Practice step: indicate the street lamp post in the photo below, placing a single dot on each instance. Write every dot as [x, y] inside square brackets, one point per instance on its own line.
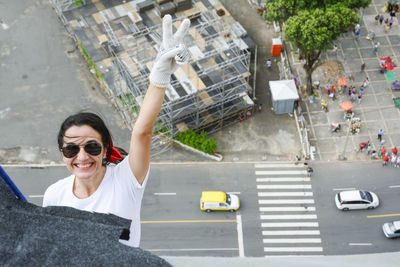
[342, 156]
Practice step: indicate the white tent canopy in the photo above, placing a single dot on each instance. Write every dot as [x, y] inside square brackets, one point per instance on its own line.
[283, 90]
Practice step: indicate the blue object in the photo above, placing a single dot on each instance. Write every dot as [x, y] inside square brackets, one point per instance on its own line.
[11, 185]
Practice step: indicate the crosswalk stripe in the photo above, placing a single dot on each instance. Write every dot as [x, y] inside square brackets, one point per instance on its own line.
[286, 201]
[284, 179]
[292, 240]
[292, 249]
[288, 217]
[292, 232]
[284, 186]
[290, 224]
[280, 172]
[281, 165]
[285, 194]
[287, 208]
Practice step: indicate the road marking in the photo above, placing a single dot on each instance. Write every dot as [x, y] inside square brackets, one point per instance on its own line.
[383, 215]
[343, 189]
[283, 179]
[34, 196]
[290, 224]
[190, 221]
[280, 172]
[240, 235]
[281, 165]
[284, 186]
[165, 194]
[190, 249]
[285, 194]
[288, 217]
[292, 249]
[360, 244]
[294, 232]
[394, 186]
[286, 201]
[287, 208]
[292, 240]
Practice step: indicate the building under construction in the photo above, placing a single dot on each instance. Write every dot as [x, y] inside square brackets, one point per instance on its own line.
[120, 40]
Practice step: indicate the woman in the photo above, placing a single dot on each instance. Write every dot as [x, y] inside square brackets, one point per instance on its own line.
[87, 148]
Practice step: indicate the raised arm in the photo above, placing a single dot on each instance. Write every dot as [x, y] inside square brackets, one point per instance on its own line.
[164, 65]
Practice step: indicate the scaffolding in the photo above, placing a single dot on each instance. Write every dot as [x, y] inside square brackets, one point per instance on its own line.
[206, 94]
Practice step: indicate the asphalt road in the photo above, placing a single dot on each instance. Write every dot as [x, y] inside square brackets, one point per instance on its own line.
[354, 232]
[173, 225]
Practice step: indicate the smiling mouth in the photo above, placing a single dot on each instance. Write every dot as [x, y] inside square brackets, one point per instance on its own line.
[84, 166]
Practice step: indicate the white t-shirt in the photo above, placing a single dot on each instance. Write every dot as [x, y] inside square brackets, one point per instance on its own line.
[119, 193]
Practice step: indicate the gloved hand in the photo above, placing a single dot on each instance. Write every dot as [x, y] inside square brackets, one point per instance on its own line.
[172, 53]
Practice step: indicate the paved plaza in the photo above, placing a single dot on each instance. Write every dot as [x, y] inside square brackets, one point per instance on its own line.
[376, 110]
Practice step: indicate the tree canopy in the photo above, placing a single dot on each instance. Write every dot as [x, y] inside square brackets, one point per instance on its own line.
[313, 30]
[282, 10]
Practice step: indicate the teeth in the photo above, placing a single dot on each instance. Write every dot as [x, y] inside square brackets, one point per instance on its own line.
[84, 165]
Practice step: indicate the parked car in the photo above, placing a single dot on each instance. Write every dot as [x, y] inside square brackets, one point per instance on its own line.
[218, 200]
[356, 199]
[391, 229]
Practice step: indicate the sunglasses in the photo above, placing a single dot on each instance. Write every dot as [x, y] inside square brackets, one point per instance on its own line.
[92, 147]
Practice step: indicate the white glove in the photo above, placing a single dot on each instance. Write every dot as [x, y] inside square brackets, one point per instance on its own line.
[172, 53]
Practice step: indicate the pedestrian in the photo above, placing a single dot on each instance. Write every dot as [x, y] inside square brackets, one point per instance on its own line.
[369, 148]
[377, 19]
[359, 98]
[361, 90]
[398, 162]
[366, 82]
[376, 46]
[87, 149]
[391, 20]
[387, 28]
[312, 98]
[352, 97]
[362, 67]
[357, 34]
[357, 27]
[383, 152]
[380, 133]
[259, 107]
[393, 13]
[373, 154]
[297, 160]
[385, 160]
[362, 146]
[393, 160]
[394, 151]
[381, 18]
[269, 63]
[309, 171]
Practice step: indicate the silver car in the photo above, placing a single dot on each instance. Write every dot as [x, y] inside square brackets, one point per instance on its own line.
[391, 229]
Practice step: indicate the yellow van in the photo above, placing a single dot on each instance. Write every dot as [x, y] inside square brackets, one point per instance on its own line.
[218, 200]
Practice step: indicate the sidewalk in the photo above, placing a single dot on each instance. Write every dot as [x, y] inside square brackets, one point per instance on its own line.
[376, 110]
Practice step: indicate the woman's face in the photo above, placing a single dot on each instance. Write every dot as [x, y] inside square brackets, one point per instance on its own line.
[84, 165]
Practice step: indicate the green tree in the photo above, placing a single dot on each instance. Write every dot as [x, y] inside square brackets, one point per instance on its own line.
[312, 31]
[313, 25]
[282, 10]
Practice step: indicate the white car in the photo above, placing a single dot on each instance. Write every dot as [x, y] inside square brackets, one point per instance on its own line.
[391, 229]
[356, 199]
